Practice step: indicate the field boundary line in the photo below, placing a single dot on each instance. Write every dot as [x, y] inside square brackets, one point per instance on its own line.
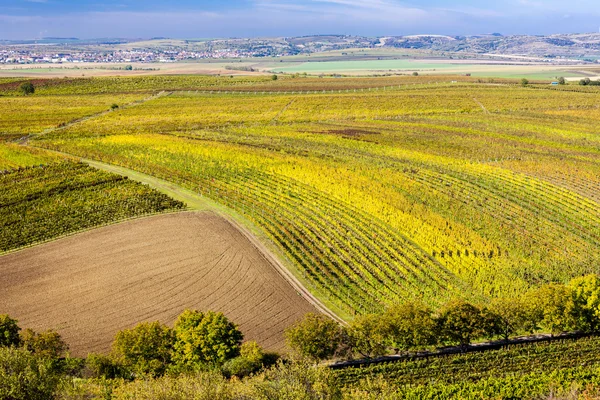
[485, 110]
[200, 203]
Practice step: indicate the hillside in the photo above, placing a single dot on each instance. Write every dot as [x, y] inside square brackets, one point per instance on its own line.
[90, 286]
[428, 190]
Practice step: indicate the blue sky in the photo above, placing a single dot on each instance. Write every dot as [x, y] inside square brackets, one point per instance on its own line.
[27, 19]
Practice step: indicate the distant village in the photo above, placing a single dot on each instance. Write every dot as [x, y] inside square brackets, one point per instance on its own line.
[39, 55]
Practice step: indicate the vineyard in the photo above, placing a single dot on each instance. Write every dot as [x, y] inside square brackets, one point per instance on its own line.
[372, 197]
[371, 190]
[43, 202]
[523, 371]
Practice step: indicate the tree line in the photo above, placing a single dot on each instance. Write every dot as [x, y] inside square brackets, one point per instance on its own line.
[412, 326]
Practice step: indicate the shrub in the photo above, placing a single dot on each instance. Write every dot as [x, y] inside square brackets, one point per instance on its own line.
[26, 377]
[524, 81]
[145, 349]
[315, 336]
[205, 339]
[9, 332]
[27, 88]
[101, 366]
[47, 344]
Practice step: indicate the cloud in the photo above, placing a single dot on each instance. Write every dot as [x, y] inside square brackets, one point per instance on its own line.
[301, 17]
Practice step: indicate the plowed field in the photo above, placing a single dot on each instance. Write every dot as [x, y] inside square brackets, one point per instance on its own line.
[91, 285]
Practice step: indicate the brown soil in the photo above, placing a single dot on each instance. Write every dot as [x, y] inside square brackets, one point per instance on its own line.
[91, 285]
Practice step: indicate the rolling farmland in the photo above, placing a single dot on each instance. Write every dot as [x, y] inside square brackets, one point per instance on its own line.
[91, 285]
[420, 188]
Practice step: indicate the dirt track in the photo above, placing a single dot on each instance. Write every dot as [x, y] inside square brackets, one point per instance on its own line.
[94, 284]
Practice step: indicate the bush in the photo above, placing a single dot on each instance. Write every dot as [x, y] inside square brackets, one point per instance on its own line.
[145, 349]
[26, 377]
[9, 332]
[274, 77]
[524, 81]
[315, 336]
[27, 88]
[47, 344]
[205, 339]
[114, 106]
[101, 366]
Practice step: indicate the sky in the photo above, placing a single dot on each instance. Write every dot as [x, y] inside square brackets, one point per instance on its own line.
[34, 19]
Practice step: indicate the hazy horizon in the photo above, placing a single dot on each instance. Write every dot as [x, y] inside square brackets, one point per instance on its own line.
[31, 19]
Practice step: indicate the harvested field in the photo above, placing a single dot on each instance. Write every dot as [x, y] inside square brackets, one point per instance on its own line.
[91, 285]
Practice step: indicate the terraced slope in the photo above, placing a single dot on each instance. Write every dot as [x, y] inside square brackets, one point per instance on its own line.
[91, 285]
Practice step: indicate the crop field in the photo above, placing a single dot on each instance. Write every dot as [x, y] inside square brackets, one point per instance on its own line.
[23, 115]
[14, 156]
[430, 191]
[371, 190]
[91, 285]
[39, 203]
[524, 371]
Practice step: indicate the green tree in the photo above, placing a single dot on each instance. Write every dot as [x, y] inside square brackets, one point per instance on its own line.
[585, 292]
[368, 335]
[461, 322]
[315, 336]
[24, 376]
[415, 73]
[249, 361]
[27, 88]
[274, 77]
[562, 81]
[114, 106]
[553, 306]
[512, 316]
[524, 81]
[205, 338]
[411, 326]
[9, 332]
[47, 344]
[145, 349]
[101, 366]
[128, 68]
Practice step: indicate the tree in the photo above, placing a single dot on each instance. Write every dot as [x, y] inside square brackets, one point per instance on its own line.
[205, 339]
[315, 336]
[562, 81]
[524, 81]
[27, 88]
[114, 106]
[585, 82]
[411, 326]
[461, 322]
[47, 344]
[24, 376]
[415, 73]
[250, 360]
[145, 349]
[368, 335]
[553, 306]
[9, 332]
[128, 68]
[585, 292]
[101, 366]
[512, 316]
[274, 77]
